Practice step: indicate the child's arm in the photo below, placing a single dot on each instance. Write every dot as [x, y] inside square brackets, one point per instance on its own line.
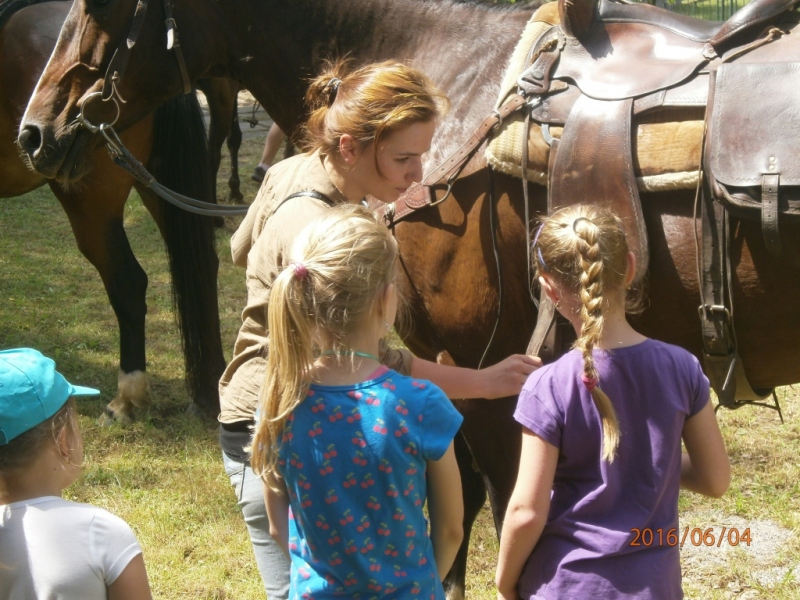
[278, 514]
[504, 379]
[527, 511]
[445, 509]
[132, 583]
[705, 469]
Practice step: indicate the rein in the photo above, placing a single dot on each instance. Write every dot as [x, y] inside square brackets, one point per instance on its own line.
[121, 156]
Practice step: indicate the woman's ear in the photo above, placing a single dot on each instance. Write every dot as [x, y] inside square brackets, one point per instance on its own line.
[348, 149]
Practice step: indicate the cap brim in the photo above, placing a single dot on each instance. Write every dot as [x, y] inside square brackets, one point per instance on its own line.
[79, 390]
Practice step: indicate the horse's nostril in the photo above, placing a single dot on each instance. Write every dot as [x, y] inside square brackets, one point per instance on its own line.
[30, 139]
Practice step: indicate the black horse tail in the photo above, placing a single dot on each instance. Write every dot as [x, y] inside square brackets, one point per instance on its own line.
[179, 161]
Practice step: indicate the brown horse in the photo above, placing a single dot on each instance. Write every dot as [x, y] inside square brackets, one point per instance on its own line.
[451, 273]
[172, 142]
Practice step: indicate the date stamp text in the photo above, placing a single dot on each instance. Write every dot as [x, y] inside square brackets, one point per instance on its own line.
[695, 536]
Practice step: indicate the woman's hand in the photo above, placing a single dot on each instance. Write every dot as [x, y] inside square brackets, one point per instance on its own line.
[507, 377]
[504, 379]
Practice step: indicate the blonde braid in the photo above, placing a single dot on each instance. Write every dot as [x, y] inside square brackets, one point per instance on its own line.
[583, 249]
[591, 295]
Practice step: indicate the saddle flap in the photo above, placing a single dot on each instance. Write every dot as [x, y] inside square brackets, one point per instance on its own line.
[755, 105]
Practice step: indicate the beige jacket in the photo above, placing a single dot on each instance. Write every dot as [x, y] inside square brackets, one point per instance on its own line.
[260, 244]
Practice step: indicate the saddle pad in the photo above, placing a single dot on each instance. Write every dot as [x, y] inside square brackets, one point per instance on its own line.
[755, 118]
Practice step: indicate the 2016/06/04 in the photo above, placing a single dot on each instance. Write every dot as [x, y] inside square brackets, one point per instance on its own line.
[695, 536]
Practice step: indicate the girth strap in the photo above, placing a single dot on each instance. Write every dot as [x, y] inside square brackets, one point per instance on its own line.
[720, 353]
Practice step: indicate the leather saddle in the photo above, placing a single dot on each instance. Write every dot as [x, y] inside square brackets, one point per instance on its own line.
[606, 62]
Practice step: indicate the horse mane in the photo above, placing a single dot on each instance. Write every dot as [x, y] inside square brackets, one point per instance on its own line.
[495, 7]
[9, 7]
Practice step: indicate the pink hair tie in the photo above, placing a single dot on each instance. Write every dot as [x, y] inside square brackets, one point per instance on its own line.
[589, 382]
[300, 270]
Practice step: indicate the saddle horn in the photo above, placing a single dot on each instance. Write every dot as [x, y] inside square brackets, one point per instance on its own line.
[577, 16]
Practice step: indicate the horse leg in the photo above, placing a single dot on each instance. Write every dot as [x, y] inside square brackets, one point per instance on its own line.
[234, 143]
[95, 212]
[474, 493]
[221, 94]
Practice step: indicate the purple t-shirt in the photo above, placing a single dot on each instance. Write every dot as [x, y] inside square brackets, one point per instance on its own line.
[585, 549]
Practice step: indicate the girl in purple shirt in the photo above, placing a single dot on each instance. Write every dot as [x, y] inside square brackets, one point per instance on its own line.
[602, 429]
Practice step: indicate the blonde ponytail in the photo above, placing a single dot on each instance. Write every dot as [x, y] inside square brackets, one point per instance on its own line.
[290, 358]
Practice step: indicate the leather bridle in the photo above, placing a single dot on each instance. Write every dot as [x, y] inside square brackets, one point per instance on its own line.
[110, 93]
[119, 61]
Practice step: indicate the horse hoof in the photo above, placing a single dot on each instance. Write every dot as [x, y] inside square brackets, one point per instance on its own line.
[236, 198]
[110, 417]
[133, 394]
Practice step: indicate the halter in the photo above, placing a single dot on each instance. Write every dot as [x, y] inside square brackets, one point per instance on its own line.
[110, 93]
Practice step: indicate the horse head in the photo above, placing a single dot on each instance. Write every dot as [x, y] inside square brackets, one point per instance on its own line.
[113, 63]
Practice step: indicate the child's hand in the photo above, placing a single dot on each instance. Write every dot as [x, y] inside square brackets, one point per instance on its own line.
[507, 377]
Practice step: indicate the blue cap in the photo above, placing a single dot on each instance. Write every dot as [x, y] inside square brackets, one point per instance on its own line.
[31, 391]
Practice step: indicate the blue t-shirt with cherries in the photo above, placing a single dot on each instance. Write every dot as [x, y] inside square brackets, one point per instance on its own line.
[353, 459]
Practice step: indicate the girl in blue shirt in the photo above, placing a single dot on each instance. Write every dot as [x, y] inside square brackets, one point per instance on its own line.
[350, 450]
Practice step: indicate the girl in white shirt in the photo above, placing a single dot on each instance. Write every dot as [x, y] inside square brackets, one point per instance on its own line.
[50, 547]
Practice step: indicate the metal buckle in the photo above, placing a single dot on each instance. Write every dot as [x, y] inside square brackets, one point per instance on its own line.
[706, 310]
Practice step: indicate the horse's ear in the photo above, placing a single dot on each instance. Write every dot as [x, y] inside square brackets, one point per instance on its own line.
[576, 16]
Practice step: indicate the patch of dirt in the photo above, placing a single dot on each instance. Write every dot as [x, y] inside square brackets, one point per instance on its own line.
[736, 569]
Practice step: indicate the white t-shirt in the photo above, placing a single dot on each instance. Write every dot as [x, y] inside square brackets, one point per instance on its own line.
[54, 549]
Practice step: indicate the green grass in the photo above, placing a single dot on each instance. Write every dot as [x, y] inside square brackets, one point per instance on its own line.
[164, 474]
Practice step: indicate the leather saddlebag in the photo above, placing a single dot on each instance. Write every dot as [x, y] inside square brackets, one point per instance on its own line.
[752, 154]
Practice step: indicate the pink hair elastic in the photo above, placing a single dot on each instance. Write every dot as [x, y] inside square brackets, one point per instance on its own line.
[300, 270]
[589, 382]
